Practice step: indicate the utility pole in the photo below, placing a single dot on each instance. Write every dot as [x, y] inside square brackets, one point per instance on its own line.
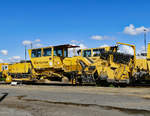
[31, 45]
[25, 57]
[145, 39]
[25, 53]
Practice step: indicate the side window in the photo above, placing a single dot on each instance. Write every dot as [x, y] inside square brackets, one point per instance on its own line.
[102, 50]
[39, 53]
[47, 52]
[66, 52]
[97, 52]
[4, 67]
[58, 52]
[33, 53]
[55, 52]
[86, 53]
[36, 53]
[79, 52]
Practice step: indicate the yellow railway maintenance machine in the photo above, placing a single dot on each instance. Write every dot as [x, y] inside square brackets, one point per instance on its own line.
[4, 76]
[20, 71]
[109, 66]
[88, 59]
[142, 68]
[53, 63]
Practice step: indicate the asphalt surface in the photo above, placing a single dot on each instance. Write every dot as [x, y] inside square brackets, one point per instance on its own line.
[28, 100]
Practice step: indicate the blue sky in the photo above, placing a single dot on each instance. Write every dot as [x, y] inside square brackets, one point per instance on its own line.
[61, 21]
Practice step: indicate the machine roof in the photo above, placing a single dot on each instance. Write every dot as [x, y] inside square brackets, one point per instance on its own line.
[66, 46]
[61, 46]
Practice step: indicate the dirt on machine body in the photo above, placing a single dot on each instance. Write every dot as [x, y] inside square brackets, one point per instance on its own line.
[102, 66]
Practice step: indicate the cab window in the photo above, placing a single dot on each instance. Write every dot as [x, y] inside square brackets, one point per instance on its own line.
[58, 52]
[36, 53]
[4, 67]
[66, 52]
[47, 52]
[86, 53]
[97, 52]
[79, 52]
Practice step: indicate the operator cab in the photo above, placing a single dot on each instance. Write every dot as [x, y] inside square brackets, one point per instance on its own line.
[49, 57]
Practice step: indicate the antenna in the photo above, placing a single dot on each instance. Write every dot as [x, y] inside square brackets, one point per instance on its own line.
[25, 52]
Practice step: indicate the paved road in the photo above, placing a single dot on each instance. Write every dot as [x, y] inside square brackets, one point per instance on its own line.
[73, 101]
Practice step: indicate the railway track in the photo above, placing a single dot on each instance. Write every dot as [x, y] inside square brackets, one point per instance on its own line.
[69, 84]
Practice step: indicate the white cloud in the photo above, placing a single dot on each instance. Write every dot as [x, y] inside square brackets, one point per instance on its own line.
[99, 37]
[126, 49]
[27, 42]
[4, 52]
[82, 46]
[15, 59]
[131, 30]
[35, 43]
[1, 61]
[37, 40]
[38, 45]
[105, 45]
[75, 41]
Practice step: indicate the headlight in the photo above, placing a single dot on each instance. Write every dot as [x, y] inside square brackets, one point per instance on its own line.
[50, 63]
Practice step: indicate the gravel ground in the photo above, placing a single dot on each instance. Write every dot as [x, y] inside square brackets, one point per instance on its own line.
[27, 100]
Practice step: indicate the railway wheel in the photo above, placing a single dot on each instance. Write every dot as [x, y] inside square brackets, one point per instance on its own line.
[8, 79]
[74, 81]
